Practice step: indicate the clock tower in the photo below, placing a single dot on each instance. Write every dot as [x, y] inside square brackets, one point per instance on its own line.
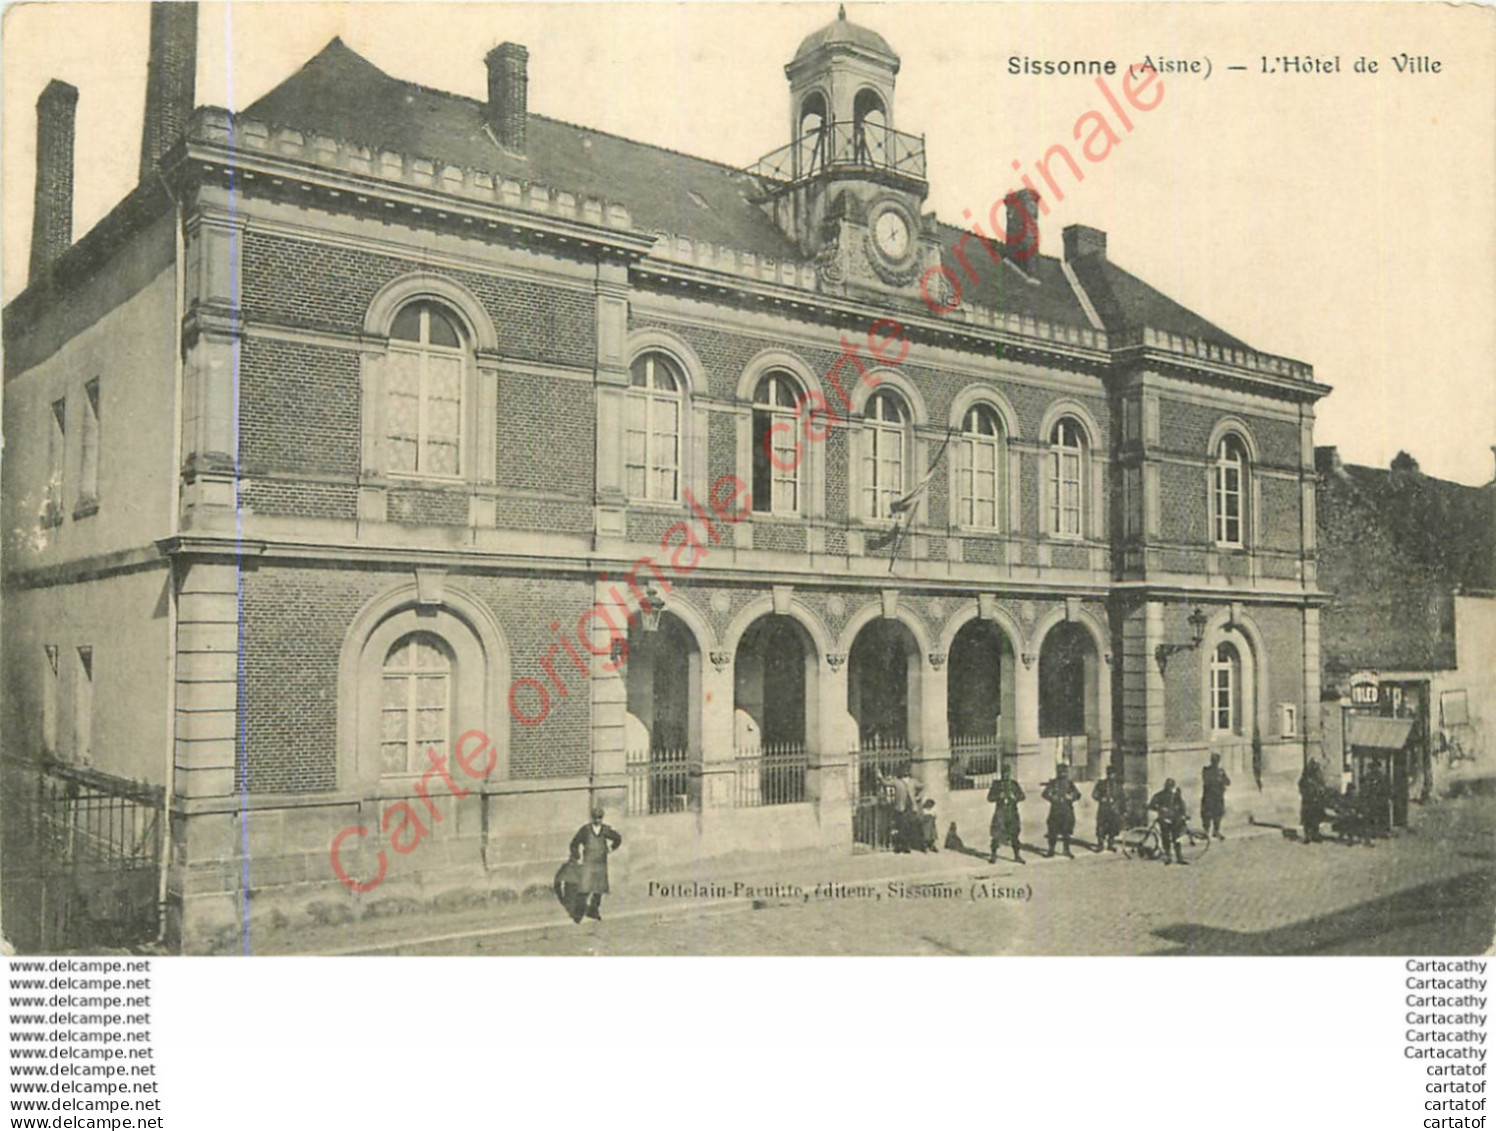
[849, 186]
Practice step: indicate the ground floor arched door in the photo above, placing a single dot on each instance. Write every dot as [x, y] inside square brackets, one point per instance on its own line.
[981, 707]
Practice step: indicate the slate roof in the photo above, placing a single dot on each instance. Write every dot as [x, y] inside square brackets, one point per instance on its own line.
[340, 94]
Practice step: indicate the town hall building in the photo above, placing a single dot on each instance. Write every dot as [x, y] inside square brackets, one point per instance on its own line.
[392, 474]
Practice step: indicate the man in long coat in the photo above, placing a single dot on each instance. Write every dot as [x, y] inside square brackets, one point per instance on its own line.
[1005, 794]
[1312, 797]
[1062, 796]
[1110, 805]
[1213, 786]
[589, 852]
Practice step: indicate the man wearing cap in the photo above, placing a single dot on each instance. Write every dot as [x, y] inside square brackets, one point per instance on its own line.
[1062, 796]
[1213, 786]
[589, 852]
[1173, 819]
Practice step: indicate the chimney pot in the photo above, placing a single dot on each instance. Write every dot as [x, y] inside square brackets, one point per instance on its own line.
[1023, 225]
[52, 218]
[171, 80]
[1081, 241]
[508, 98]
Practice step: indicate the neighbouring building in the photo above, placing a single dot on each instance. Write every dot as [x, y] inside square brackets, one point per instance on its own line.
[1408, 631]
[357, 424]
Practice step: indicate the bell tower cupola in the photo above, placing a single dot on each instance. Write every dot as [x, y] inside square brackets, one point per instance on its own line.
[846, 164]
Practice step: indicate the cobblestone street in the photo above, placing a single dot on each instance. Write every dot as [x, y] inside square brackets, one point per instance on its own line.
[1430, 891]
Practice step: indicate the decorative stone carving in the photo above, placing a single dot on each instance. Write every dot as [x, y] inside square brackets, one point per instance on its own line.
[720, 660]
[937, 660]
[836, 660]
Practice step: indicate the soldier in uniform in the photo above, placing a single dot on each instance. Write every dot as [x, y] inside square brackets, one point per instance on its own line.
[1376, 799]
[1005, 794]
[1168, 803]
[589, 851]
[1110, 806]
[1312, 797]
[1062, 796]
[1213, 796]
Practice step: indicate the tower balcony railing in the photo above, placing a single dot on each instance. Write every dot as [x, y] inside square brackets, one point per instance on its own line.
[844, 146]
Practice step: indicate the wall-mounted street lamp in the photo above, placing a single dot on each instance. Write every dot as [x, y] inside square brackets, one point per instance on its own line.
[650, 609]
[1197, 620]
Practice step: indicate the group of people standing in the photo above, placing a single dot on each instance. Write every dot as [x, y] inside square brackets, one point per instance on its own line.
[1356, 816]
[1111, 811]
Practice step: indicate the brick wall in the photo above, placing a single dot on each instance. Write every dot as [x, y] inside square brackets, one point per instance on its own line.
[1278, 508]
[1185, 429]
[298, 408]
[294, 622]
[318, 286]
[299, 499]
[547, 433]
[1184, 504]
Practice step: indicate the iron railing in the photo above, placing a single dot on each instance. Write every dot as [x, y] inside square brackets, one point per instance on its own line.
[975, 761]
[89, 855]
[844, 145]
[771, 775]
[662, 781]
[874, 765]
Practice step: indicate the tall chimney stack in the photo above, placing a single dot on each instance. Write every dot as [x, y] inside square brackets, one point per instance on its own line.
[508, 97]
[52, 219]
[171, 80]
[1023, 225]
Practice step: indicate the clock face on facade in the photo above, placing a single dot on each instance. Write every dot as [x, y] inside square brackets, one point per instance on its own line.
[891, 231]
[891, 242]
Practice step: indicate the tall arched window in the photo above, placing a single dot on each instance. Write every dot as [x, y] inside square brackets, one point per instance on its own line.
[653, 429]
[415, 704]
[1225, 690]
[1230, 491]
[1067, 477]
[869, 128]
[776, 465]
[885, 455]
[978, 460]
[424, 385]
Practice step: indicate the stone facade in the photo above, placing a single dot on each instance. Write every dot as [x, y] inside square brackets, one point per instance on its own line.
[299, 562]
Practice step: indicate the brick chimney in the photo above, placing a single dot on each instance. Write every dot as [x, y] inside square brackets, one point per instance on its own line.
[508, 98]
[1081, 241]
[171, 80]
[52, 219]
[1023, 225]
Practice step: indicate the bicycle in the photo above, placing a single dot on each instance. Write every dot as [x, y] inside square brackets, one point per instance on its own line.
[1146, 843]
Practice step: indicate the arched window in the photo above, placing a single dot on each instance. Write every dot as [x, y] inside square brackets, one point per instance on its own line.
[869, 128]
[776, 465]
[978, 460]
[1230, 491]
[415, 704]
[424, 383]
[653, 429]
[1225, 690]
[1067, 477]
[885, 455]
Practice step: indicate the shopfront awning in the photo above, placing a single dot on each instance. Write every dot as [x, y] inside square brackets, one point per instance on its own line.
[1381, 733]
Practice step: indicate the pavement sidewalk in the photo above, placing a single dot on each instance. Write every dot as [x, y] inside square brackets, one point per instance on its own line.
[720, 885]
